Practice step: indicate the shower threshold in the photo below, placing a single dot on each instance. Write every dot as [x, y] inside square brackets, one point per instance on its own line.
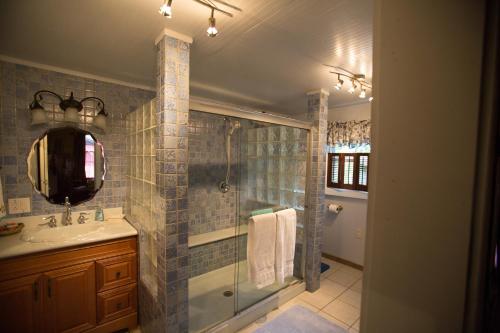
[212, 308]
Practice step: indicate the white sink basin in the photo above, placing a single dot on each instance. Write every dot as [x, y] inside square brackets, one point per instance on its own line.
[69, 233]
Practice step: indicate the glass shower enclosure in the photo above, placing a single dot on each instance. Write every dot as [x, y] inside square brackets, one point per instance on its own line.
[237, 166]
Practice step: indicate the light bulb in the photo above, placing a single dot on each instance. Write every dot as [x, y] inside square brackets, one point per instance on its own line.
[71, 115]
[362, 94]
[38, 114]
[370, 99]
[212, 30]
[166, 9]
[100, 121]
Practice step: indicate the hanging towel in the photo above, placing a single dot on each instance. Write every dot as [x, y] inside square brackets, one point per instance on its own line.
[286, 226]
[3, 209]
[261, 249]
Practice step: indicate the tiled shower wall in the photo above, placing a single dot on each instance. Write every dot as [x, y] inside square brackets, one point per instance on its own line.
[143, 199]
[18, 83]
[210, 209]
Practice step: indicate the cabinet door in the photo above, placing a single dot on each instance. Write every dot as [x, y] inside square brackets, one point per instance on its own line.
[71, 298]
[20, 304]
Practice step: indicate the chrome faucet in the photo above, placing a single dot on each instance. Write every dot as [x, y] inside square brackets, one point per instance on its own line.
[66, 220]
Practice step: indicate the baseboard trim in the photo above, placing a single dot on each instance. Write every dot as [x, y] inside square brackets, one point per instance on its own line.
[342, 261]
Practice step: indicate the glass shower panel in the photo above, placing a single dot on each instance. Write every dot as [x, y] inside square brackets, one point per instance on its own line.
[142, 202]
[212, 219]
[272, 174]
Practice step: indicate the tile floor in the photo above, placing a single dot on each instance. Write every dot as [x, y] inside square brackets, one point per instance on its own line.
[338, 299]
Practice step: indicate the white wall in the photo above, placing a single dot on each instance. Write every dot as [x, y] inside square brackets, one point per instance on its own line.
[427, 67]
[344, 234]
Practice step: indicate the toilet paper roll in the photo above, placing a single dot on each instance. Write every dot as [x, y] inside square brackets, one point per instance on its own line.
[334, 208]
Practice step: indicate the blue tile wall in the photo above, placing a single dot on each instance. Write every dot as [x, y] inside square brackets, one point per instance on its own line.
[18, 83]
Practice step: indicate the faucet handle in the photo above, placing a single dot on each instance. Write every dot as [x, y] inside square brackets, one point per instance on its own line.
[52, 221]
[82, 218]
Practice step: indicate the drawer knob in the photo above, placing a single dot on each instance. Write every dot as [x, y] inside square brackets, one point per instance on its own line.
[118, 275]
[118, 306]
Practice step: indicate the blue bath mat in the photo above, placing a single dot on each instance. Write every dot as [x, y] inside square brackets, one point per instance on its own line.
[298, 319]
[324, 267]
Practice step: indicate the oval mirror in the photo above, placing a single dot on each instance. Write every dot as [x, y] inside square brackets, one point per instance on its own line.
[66, 162]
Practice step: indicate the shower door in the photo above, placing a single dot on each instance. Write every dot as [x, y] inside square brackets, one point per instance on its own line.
[267, 166]
[212, 218]
[272, 174]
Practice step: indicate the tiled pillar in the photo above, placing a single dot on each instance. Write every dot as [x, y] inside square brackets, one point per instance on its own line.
[171, 177]
[317, 113]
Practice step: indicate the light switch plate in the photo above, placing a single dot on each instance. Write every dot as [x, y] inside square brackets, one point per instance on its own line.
[19, 205]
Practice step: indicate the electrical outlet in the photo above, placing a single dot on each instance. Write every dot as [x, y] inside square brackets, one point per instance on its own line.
[359, 234]
[19, 205]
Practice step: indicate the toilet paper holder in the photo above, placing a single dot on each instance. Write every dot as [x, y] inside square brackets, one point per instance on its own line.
[334, 208]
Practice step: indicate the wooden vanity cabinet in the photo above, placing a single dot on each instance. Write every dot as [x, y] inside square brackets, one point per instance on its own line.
[90, 288]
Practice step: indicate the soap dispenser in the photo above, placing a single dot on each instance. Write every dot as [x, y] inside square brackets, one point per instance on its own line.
[99, 214]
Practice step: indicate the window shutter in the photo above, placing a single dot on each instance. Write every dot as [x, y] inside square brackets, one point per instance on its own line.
[362, 181]
[348, 171]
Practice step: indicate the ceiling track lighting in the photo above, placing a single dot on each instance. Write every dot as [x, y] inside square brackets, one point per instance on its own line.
[166, 10]
[212, 30]
[70, 106]
[357, 80]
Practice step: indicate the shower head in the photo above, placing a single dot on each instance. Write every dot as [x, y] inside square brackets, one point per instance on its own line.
[232, 125]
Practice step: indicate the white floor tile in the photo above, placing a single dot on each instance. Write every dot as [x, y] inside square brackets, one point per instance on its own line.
[333, 320]
[344, 277]
[358, 286]
[352, 298]
[344, 312]
[318, 298]
[332, 288]
[249, 329]
[298, 301]
[353, 330]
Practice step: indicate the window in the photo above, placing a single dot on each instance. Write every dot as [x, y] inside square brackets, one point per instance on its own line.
[348, 171]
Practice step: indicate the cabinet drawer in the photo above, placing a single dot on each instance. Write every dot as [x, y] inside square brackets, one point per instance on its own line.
[116, 303]
[115, 272]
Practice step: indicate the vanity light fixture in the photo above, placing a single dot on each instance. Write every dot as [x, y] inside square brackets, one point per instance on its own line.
[357, 80]
[166, 10]
[212, 30]
[71, 107]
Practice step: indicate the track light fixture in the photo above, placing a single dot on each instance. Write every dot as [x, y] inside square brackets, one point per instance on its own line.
[353, 87]
[212, 30]
[339, 84]
[362, 94]
[70, 106]
[166, 10]
[357, 80]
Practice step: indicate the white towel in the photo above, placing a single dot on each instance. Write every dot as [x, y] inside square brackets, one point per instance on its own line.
[286, 226]
[3, 209]
[261, 249]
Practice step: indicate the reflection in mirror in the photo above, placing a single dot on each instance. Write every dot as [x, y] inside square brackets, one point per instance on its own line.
[66, 162]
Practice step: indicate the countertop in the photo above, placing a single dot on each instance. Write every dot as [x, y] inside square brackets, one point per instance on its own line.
[113, 227]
